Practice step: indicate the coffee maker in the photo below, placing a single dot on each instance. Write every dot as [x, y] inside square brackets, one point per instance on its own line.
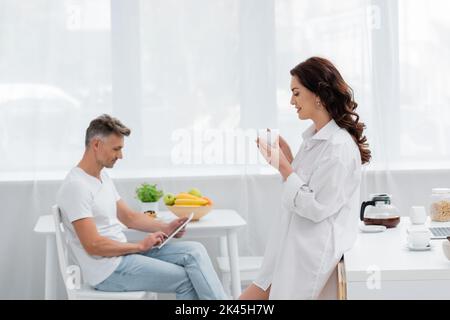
[379, 211]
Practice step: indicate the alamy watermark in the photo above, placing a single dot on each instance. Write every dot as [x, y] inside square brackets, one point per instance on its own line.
[225, 147]
[73, 279]
[373, 281]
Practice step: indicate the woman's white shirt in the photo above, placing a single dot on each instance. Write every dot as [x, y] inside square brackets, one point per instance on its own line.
[319, 220]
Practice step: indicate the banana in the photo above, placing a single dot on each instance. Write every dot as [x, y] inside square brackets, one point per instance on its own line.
[210, 202]
[184, 195]
[187, 205]
[198, 201]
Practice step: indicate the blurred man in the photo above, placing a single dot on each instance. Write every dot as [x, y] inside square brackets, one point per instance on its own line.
[92, 211]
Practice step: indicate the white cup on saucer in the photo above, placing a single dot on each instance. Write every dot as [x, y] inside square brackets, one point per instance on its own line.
[419, 239]
[418, 215]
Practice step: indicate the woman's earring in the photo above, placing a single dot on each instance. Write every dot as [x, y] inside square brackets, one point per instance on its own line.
[318, 104]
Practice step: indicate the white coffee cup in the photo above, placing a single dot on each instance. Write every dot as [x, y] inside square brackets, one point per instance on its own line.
[268, 137]
[418, 215]
[418, 239]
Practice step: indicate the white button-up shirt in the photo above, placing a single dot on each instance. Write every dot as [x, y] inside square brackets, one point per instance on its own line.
[319, 220]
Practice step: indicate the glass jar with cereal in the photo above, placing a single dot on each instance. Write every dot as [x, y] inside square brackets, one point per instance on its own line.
[440, 205]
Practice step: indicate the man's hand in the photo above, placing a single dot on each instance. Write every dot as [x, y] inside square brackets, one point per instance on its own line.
[151, 240]
[173, 225]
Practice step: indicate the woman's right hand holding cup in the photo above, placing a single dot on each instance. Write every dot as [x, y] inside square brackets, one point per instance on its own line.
[284, 146]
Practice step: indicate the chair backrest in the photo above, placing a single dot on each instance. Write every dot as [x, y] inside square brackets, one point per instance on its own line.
[71, 274]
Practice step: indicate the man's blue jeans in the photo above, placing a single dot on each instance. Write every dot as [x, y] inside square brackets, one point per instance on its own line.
[181, 267]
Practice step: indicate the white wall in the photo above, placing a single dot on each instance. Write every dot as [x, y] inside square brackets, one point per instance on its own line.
[255, 197]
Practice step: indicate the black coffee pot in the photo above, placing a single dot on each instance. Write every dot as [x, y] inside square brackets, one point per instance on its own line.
[379, 211]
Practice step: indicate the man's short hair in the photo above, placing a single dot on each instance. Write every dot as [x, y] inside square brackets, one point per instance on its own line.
[103, 126]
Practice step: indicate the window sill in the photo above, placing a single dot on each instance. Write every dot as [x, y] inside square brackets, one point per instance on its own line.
[211, 172]
[409, 167]
[157, 173]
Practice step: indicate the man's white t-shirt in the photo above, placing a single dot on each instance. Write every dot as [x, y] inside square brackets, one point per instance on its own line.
[84, 196]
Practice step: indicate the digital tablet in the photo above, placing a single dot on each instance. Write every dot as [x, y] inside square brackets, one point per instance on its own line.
[176, 231]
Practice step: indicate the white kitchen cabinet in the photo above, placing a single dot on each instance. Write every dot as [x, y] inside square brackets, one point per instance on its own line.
[380, 266]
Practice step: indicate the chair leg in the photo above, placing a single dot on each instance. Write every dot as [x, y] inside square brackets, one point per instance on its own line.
[151, 296]
[226, 282]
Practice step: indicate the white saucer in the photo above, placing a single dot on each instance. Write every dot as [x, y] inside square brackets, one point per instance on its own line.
[428, 247]
[372, 229]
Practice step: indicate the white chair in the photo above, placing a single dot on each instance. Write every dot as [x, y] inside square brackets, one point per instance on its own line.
[248, 267]
[72, 276]
[248, 270]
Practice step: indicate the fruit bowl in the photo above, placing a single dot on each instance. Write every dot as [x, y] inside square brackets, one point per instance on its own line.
[185, 211]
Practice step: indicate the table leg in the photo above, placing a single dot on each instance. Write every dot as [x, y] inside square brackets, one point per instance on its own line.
[233, 257]
[223, 247]
[51, 264]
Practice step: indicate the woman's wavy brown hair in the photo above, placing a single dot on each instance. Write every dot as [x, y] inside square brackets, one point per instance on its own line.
[322, 78]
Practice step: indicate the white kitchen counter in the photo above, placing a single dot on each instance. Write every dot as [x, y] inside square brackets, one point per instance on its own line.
[380, 266]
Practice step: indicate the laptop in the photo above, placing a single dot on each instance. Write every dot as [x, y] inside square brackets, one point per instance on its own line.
[439, 232]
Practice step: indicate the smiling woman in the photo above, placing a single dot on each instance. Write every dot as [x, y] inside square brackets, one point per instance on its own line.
[320, 191]
[320, 91]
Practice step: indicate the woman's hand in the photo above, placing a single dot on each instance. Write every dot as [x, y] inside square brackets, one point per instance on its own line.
[173, 225]
[275, 157]
[284, 146]
[153, 239]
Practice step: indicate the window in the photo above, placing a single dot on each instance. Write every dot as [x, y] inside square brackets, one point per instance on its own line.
[190, 70]
[55, 73]
[424, 119]
[172, 69]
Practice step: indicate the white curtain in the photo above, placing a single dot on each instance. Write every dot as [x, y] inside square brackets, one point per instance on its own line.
[194, 79]
[168, 66]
